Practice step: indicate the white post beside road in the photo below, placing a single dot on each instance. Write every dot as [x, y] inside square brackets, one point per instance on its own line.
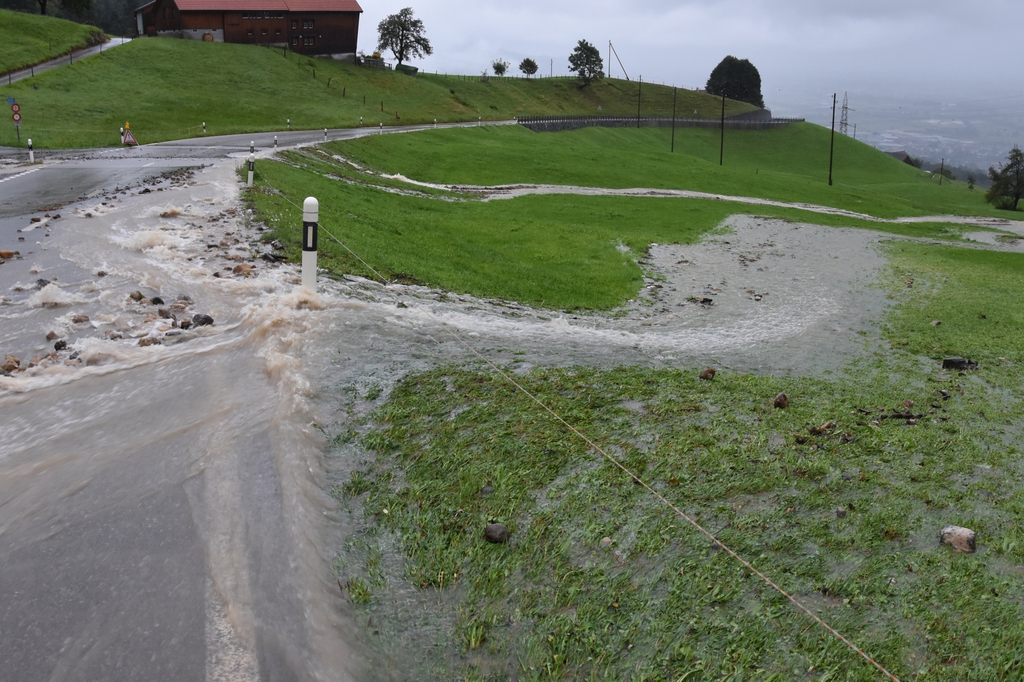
[381, 128]
[31, 154]
[325, 134]
[310, 218]
[275, 141]
[252, 168]
[252, 147]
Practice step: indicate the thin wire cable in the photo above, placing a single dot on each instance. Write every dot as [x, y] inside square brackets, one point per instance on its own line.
[746, 564]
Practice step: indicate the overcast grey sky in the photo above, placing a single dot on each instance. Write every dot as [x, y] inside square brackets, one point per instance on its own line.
[940, 58]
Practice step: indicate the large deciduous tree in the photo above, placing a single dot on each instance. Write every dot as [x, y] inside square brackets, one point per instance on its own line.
[528, 66]
[500, 66]
[403, 34]
[585, 61]
[1007, 182]
[736, 79]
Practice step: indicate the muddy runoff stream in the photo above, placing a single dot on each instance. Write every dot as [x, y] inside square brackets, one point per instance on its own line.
[163, 479]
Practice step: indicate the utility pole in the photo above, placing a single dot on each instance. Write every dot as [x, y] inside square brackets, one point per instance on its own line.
[855, 131]
[942, 168]
[639, 90]
[832, 144]
[674, 119]
[609, 59]
[721, 149]
[844, 121]
[552, 68]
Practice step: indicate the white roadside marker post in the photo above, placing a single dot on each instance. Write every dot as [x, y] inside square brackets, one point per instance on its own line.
[435, 124]
[479, 121]
[289, 124]
[252, 168]
[360, 121]
[252, 147]
[204, 127]
[310, 217]
[381, 128]
[31, 154]
[325, 134]
[275, 141]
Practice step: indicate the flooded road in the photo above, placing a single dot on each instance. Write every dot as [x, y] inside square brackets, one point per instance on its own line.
[162, 480]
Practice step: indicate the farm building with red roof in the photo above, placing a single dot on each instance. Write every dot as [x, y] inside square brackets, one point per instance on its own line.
[314, 27]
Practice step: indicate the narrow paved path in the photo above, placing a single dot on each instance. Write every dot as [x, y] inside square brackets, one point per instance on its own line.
[63, 60]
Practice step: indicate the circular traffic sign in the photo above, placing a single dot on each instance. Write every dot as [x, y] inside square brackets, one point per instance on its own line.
[15, 117]
[15, 108]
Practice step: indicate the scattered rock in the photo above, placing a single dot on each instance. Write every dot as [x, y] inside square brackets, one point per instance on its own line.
[184, 298]
[402, 305]
[136, 296]
[840, 513]
[959, 538]
[959, 363]
[156, 300]
[8, 255]
[113, 336]
[605, 541]
[51, 335]
[487, 489]
[781, 401]
[80, 319]
[708, 374]
[185, 324]
[60, 345]
[101, 273]
[11, 363]
[40, 283]
[149, 341]
[201, 320]
[497, 533]
[243, 269]
[36, 220]
[936, 323]
[818, 430]
[847, 476]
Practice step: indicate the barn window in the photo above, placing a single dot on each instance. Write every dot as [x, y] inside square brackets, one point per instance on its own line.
[249, 32]
[277, 32]
[295, 25]
[295, 41]
[307, 24]
[307, 40]
[264, 32]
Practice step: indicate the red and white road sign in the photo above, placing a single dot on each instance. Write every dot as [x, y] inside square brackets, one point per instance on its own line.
[15, 117]
[129, 139]
[15, 108]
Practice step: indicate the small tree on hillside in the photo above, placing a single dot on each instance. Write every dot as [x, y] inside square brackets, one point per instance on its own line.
[585, 61]
[499, 66]
[1007, 182]
[403, 34]
[528, 66]
[736, 79]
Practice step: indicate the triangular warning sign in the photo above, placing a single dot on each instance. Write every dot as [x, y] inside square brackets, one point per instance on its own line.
[129, 139]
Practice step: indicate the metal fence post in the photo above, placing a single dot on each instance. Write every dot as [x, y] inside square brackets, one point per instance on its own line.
[310, 217]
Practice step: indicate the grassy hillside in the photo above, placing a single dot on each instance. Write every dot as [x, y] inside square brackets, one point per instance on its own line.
[786, 164]
[554, 251]
[166, 88]
[27, 39]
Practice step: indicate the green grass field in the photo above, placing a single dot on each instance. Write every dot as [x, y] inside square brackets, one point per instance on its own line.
[659, 602]
[27, 39]
[787, 164]
[568, 244]
[238, 88]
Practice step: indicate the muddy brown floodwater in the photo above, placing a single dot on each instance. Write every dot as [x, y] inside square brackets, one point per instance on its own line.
[163, 484]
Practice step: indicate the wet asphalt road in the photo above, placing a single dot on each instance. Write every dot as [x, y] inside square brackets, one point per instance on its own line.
[105, 530]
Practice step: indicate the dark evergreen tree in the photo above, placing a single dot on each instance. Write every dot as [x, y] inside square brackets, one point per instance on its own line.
[1007, 182]
[737, 79]
[528, 66]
